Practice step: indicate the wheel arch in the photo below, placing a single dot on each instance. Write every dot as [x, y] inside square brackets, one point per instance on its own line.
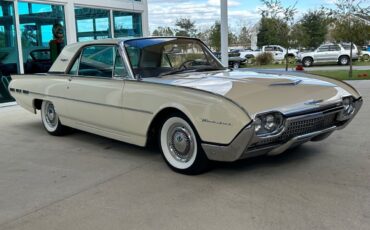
[343, 55]
[37, 103]
[159, 118]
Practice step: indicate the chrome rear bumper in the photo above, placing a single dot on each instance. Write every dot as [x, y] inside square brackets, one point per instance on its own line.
[246, 144]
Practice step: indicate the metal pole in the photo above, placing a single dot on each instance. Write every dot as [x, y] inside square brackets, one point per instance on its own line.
[224, 34]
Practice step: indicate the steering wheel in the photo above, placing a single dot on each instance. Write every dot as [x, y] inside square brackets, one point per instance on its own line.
[185, 65]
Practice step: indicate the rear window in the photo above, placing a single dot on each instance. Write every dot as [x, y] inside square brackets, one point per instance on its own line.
[347, 46]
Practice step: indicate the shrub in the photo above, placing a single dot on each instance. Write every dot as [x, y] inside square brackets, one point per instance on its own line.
[264, 58]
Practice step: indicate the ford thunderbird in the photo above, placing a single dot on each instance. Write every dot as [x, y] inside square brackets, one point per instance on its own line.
[175, 92]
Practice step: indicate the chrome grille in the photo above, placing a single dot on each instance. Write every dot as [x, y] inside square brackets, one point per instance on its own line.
[300, 126]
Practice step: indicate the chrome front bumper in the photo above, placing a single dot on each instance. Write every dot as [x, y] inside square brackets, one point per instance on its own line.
[246, 144]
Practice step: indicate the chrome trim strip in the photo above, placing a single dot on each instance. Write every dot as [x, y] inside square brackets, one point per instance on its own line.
[302, 138]
[94, 103]
[137, 110]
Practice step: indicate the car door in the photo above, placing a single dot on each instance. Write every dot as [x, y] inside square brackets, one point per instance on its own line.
[321, 54]
[96, 88]
[279, 53]
[334, 53]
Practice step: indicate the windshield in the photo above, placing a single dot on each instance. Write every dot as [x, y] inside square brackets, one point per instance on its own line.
[156, 57]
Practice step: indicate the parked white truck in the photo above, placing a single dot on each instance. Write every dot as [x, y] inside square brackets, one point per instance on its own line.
[277, 51]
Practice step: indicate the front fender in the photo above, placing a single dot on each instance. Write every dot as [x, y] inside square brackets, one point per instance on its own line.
[216, 119]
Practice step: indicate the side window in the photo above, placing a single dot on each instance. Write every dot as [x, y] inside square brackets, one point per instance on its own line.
[97, 61]
[334, 48]
[119, 66]
[323, 49]
[74, 69]
[268, 49]
[134, 55]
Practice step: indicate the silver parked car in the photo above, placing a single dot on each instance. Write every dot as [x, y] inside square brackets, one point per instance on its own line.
[329, 53]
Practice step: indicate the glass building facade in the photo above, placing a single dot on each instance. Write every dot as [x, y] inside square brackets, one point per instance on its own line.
[31, 31]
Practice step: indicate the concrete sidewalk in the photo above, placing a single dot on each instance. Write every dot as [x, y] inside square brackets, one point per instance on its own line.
[83, 181]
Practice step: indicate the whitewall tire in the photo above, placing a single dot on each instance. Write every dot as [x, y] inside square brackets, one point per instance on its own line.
[181, 147]
[50, 119]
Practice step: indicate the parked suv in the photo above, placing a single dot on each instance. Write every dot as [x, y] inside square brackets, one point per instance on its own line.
[329, 53]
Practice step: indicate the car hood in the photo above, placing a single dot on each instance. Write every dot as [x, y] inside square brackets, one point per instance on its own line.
[258, 92]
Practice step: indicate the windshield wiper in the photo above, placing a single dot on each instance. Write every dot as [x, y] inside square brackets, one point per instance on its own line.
[208, 69]
[175, 71]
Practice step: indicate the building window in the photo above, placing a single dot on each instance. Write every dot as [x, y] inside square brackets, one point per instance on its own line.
[8, 49]
[92, 24]
[42, 35]
[127, 24]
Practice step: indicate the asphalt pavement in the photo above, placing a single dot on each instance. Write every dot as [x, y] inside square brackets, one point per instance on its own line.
[83, 181]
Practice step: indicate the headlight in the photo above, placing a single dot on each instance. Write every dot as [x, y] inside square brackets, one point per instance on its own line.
[349, 106]
[267, 124]
[257, 124]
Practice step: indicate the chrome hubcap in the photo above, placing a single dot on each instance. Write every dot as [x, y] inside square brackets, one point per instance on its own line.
[180, 143]
[50, 115]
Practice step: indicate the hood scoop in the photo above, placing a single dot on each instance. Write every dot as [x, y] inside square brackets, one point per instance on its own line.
[287, 83]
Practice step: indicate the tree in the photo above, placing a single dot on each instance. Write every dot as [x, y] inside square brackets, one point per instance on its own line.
[163, 31]
[315, 26]
[347, 17]
[233, 39]
[272, 31]
[299, 36]
[282, 18]
[215, 37]
[186, 27]
[244, 38]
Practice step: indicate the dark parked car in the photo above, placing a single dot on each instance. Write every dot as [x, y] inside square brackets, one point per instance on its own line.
[234, 59]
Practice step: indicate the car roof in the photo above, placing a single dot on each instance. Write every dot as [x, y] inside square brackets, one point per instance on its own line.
[61, 64]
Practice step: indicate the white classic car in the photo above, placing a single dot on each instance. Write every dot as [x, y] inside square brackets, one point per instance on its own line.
[174, 91]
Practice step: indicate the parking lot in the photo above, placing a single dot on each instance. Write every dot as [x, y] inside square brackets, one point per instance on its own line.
[83, 181]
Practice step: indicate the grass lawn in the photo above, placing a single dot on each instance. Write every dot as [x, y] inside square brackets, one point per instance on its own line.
[343, 74]
[281, 66]
[269, 66]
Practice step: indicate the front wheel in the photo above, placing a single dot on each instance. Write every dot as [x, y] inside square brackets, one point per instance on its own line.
[181, 148]
[50, 119]
[307, 62]
[236, 65]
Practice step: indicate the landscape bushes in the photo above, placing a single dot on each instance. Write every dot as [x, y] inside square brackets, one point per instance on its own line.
[264, 58]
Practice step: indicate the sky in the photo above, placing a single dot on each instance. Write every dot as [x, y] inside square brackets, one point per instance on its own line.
[205, 12]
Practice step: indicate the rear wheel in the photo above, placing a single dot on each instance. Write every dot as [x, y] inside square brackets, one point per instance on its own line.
[181, 147]
[50, 119]
[236, 65]
[343, 60]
